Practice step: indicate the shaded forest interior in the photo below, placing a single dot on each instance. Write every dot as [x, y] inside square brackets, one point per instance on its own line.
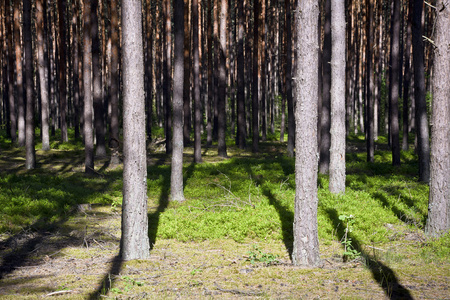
[61, 68]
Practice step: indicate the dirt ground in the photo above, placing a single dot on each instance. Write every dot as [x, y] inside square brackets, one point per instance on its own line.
[78, 260]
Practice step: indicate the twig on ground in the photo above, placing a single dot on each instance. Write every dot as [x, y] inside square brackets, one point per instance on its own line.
[59, 293]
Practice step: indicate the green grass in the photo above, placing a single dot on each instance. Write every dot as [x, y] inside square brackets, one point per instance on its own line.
[246, 197]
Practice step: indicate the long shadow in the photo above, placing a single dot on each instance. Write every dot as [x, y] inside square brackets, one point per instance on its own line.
[153, 218]
[384, 275]
[286, 216]
[108, 279]
[287, 220]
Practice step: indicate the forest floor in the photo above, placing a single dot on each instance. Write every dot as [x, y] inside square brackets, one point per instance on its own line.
[77, 258]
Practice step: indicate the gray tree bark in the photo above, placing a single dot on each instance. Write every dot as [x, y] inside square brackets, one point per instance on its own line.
[29, 85]
[196, 74]
[421, 118]
[438, 221]
[176, 180]
[394, 84]
[88, 106]
[134, 242]
[338, 67]
[221, 100]
[325, 117]
[62, 69]
[43, 79]
[306, 242]
[19, 77]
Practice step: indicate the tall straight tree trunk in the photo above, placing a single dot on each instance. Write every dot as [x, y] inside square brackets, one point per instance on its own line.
[12, 104]
[337, 151]
[370, 145]
[29, 86]
[209, 101]
[76, 75]
[196, 74]
[88, 105]
[325, 123]
[263, 55]
[283, 79]
[19, 77]
[255, 98]
[167, 71]
[176, 180]
[99, 121]
[221, 100]
[134, 242]
[423, 144]
[43, 79]
[438, 221]
[114, 86]
[289, 99]
[394, 91]
[306, 242]
[407, 78]
[187, 76]
[241, 131]
[62, 69]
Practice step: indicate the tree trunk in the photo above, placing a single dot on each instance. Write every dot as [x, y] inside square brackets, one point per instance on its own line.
[370, 146]
[176, 180]
[196, 74]
[19, 77]
[290, 101]
[167, 71]
[337, 151]
[76, 75]
[99, 121]
[423, 144]
[325, 122]
[134, 241]
[187, 76]
[62, 69]
[221, 99]
[306, 242]
[88, 105]
[407, 79]
[394, 91]
[12, 104]
[114, 85]
[29, 85]
[241, 131]
[438, 221]
[255, 100]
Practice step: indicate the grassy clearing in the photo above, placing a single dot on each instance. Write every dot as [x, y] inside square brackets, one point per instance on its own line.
[235, 209]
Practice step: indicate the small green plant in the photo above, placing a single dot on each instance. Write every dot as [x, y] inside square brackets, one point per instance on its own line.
[257, 255]
[350, 253]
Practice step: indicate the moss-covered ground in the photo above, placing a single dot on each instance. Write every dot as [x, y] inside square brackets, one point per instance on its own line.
[231, 238]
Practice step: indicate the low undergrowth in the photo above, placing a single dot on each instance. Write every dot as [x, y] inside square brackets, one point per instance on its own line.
[246, 199]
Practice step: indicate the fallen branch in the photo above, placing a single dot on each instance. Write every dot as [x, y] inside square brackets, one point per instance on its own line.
[59, 293]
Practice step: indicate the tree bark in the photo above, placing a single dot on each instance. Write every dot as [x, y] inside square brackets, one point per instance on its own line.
[370, 145]
[306, 242]
[43, 79]
[62, 69]
[187, 76]
[176, 180]
[221, 100]
[394, 91]
[241, 131]
[19, 77]
[325, 122]
[12, 104]
[421, 118]
[88, 105]
[338, 67]
[167, 71]
[196, 74]
[29, 86]
[135, 240]
[289, 99]
[114, 86]
[438, 221]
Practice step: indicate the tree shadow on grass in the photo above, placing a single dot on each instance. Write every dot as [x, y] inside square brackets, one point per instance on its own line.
[384, 275]
[286, 217]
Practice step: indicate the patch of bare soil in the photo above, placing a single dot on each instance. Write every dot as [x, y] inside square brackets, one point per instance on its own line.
[78, 260]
